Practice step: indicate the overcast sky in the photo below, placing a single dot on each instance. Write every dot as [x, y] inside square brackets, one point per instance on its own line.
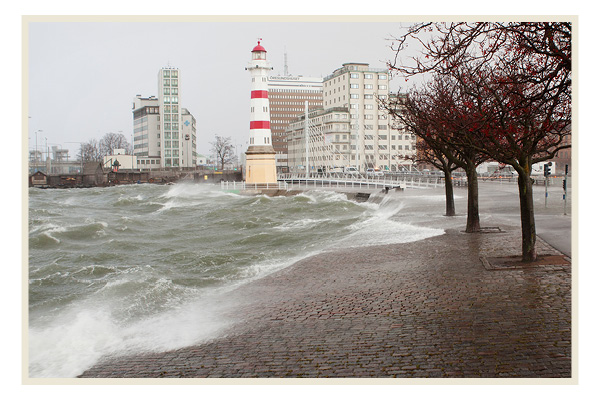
[83, 76]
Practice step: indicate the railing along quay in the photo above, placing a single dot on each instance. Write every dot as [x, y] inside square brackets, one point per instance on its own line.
[280, 185]
[338, 181]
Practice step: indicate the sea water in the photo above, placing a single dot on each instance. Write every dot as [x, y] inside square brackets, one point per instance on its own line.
[136, 268]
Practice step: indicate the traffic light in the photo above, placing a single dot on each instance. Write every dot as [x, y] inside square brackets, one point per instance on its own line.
[565, 185]
[547, 169]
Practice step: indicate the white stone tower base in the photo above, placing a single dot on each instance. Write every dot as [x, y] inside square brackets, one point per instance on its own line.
[260, 165]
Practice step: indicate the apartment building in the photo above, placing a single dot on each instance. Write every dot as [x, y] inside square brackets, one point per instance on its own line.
[287, 97]
[364, 135]
[329, 146]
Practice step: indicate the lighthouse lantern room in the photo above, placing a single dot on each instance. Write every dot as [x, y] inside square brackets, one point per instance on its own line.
[260, 156]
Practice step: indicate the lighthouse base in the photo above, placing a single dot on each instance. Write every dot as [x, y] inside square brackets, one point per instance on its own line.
[260, 165]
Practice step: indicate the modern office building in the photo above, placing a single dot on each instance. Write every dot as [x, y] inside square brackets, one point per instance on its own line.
[164, 132]
[364, 135]
[146, 132]
[288, 95]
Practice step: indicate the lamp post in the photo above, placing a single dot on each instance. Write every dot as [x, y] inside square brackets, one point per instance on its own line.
[36, 146]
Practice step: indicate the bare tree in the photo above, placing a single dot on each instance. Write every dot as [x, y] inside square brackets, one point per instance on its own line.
[112, 141]
[523, 123]
[89, 151]
[439, 116]
[414, 117]
[518, 78]
[223, 149]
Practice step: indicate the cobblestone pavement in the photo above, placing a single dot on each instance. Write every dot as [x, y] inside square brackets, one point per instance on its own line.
[423, 309]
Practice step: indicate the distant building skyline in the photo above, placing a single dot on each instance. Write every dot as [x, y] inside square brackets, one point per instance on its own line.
[102, 64]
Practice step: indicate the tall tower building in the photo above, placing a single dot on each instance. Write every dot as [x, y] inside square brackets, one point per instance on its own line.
[260, 156]
[164, 133]
[170, 115]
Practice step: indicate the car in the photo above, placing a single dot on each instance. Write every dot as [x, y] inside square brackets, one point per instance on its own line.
[351, 171]
[374, 172]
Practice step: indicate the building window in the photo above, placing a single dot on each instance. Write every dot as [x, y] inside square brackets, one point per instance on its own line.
[382, 87]
[354, 76]
[368, 86]
[368, 106]
[354, 86]
[354, 96]
[382, 76]
[368, 76]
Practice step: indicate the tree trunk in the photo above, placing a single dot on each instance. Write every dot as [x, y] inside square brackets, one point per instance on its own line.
[450, 210]
[528, 237]
[472, 200]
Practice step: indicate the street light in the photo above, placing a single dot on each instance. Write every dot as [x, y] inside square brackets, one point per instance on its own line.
[36, 146]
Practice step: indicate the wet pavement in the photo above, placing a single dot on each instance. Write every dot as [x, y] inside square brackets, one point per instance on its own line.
[427, 309]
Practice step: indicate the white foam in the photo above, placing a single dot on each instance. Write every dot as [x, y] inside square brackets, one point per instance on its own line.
[78, 339]
[380, 228]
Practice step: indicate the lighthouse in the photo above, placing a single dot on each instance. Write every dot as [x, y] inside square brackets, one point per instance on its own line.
[260, 156]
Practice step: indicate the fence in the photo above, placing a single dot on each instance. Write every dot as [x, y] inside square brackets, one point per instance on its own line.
[339, 180]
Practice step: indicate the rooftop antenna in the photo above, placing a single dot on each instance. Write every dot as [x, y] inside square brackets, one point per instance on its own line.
[285, 66]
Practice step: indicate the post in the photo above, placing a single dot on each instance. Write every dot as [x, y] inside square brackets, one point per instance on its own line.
[546, 196]
[565, 187]
[306, 135]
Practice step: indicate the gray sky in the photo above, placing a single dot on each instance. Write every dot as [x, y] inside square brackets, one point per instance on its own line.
[83, 76]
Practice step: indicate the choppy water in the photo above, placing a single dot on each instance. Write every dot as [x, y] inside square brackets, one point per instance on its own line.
[141, 267]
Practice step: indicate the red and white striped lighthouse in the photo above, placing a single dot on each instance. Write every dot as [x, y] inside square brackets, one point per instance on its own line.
[260, 156]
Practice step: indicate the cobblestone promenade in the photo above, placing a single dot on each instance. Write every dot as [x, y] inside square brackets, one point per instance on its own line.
[430, 308]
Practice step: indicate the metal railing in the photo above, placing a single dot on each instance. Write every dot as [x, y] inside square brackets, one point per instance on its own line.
[342, 181]
[280, 185]
[338, 179]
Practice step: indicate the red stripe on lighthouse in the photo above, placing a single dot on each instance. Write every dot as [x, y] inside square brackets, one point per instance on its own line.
[260, 125]
[259, 94]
